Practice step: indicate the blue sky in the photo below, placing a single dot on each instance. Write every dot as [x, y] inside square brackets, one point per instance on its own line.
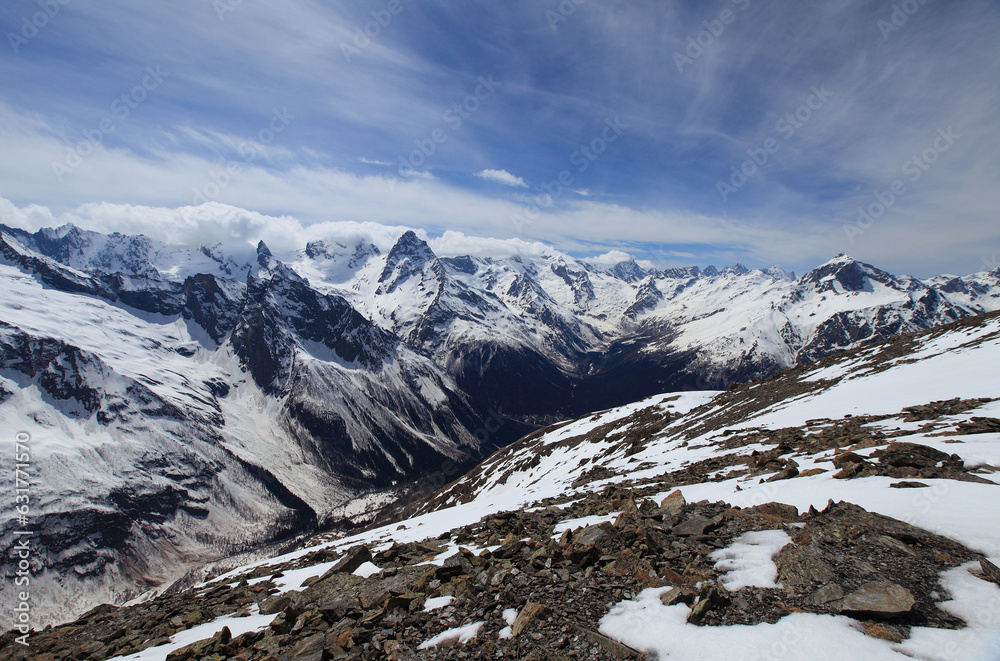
[590, 126]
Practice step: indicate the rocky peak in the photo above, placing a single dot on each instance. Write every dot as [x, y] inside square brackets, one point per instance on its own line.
[324, 249]
[408, 258]
[851, 275]
[411, 246]
[628, 271]
[735, 269]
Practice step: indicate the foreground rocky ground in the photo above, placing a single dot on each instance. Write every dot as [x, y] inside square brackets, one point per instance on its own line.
[555, 588]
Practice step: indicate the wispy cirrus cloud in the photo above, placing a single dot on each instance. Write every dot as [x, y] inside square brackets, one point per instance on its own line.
[414, 88]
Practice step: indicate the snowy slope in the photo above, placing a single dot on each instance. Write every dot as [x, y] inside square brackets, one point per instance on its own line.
[899, 392]
[202, 418]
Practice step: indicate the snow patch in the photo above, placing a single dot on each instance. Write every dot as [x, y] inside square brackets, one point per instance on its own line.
[748, 560]
[462, 634]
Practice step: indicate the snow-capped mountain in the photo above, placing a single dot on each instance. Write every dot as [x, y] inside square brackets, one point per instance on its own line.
[177, 416]
[843, 507]
[549, 336]
[188, 403]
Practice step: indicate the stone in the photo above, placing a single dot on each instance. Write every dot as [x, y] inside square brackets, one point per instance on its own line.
[309, 649]
[678, 595]
[276, 606]
[584, 556]
[630, 565]
[696, 525]
[590, 535]
[355, 557]
[612, 647]
[532, 611]
[846, 458]
[878, 598]
[673, 503]
[990, 571]
[907, 485]
[711, 598]
[790, 470]
[802, 565]
[826, 594]
[881, 631]
[510, 548]
[901, 454]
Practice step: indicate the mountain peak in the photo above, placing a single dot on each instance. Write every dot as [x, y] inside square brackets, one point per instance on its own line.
[628, 270]
[850, 274]
[264, 255]
[407, 258]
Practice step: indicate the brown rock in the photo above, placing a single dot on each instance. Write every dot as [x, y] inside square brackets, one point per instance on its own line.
[790, 470]
[630, 565]
[612, 647]
[673, 503]
[532, 611]
[990, 571]
[590, 535]
[879, 630]
[309, 649]
[914, 455]
[696, 525]
[356, 556]
[711, 598]
[846, 458]
[678, 596]
[826, 594]
[878, 598]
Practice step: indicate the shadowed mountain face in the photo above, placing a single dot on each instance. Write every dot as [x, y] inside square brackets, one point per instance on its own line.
[190, 403]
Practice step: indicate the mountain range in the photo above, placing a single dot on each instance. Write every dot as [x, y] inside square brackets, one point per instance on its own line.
[840, 507]
[190, 403]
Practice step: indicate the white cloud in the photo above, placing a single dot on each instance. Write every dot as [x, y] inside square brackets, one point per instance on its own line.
[374, 161]
[118, 189]
[453, 243]
[609, 258]
[501, 177]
